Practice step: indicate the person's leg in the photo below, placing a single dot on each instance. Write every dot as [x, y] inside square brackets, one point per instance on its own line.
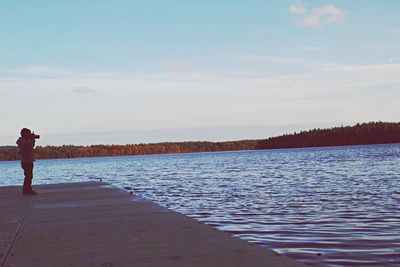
[28, 173]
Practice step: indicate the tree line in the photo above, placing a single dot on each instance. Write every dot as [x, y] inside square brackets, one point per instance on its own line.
[359, 134]
[71, 151]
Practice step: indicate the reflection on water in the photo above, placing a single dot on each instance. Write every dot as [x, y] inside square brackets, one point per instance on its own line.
[335, 206]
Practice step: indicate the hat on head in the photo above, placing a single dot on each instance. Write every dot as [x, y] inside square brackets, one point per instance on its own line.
[25, 131]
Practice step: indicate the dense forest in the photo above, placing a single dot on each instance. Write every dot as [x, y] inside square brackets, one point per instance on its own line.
[70, 151]
[359, 134]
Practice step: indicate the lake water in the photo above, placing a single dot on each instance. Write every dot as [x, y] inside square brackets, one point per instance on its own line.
[337, 206]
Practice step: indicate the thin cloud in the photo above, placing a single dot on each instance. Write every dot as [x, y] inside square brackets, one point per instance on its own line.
[336, 93]
[396, 30]
[176, 65]
[383, 47]
[297, 10]
[40, 70]
[83, 90]
[394, 60]
[304, 48]
[317, 17]
[293, 61]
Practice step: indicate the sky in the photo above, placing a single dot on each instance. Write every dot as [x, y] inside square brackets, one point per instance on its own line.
[125, 71]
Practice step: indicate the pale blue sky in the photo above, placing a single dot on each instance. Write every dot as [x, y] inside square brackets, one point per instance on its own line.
[85, 72]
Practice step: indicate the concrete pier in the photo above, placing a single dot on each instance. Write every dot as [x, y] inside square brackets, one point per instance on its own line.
[94, 224]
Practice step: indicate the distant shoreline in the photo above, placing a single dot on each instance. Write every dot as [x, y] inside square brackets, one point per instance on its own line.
[372, 133]
[221, 151]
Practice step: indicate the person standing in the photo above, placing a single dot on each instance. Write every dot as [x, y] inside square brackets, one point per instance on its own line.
[26, 143]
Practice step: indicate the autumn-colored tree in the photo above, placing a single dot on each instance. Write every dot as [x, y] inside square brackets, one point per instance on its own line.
[70, 151]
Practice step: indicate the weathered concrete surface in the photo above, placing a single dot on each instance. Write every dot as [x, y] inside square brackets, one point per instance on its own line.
[94, 224]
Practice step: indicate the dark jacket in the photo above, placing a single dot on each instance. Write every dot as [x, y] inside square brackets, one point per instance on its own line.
[26, 148]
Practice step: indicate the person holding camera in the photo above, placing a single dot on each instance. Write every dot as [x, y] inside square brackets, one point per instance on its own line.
[26, 143]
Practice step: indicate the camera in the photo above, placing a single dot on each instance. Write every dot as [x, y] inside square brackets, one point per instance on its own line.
[35, 136]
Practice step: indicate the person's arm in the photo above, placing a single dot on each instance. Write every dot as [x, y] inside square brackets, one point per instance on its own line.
[32, 142]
